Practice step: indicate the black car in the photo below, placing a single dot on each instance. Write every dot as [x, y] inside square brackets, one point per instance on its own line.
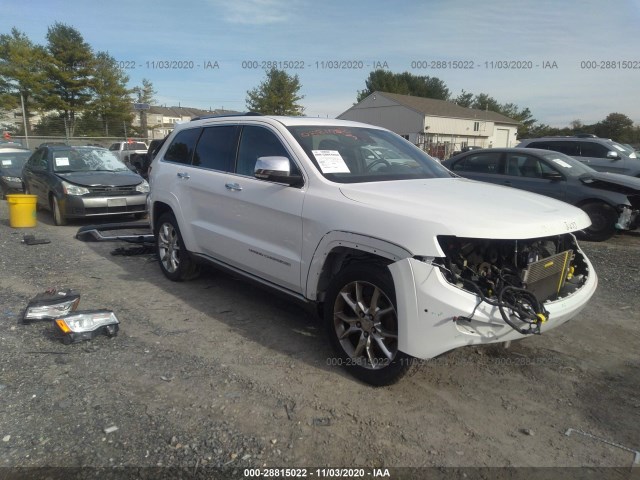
[611, 200]
[12, 159]
[77, 182]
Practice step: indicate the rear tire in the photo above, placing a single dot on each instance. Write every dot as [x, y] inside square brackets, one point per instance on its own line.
[175, 260]
[603, 221]
[362, 324]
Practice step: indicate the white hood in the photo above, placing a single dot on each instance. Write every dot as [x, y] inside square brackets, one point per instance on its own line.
[465, 208]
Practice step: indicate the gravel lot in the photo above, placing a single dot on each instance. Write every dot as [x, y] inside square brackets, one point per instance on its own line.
[217, 373]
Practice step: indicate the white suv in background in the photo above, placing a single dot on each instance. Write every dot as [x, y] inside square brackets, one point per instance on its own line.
[403, 258]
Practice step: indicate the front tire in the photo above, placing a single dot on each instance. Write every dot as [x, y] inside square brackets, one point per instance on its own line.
[175, 260]
[362, 324]
[603, 220]
[56, 212]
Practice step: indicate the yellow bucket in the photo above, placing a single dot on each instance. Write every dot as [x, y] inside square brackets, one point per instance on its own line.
[22, 210]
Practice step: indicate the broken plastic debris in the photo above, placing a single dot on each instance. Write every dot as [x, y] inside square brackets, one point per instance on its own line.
[32, 240]
[321, 422]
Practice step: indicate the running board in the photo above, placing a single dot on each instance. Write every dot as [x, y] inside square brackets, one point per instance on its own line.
[96, 233]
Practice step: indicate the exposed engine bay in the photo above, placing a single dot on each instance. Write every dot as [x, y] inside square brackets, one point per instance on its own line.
[517, 276]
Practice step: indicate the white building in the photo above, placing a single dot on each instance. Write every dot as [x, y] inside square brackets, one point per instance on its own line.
[439, 126]
[162, 120]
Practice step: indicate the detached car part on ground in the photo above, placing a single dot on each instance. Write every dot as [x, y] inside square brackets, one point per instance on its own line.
[60, 306]
[611, 200]
[79, 182]
[402, 258]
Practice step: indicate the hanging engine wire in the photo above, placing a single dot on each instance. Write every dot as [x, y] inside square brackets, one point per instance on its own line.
[511, 299]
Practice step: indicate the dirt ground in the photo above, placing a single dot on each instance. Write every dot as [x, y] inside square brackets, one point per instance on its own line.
[216, 373]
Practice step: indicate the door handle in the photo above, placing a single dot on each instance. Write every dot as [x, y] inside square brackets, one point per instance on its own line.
[183, 175]
[233, 186]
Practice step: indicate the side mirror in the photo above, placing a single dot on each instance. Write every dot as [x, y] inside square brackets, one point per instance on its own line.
[613, 155]
[276, 169]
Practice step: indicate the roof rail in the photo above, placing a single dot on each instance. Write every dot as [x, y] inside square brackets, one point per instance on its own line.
[222, 115]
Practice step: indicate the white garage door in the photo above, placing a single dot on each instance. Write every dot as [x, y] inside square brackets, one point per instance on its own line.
[502, 137]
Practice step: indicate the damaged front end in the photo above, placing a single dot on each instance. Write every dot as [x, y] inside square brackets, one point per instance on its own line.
[486, 291]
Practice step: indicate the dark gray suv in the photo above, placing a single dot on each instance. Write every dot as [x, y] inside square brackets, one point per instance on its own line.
[600, 154]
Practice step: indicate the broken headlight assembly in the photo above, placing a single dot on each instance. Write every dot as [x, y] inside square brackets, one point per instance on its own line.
[51, 304]
[85, 325]
[516, 276]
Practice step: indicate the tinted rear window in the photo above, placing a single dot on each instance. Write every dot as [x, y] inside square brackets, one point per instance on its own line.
[182, 146]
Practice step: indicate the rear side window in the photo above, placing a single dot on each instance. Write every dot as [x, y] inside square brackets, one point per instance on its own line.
[568, 148]
[182, 146]
[217, 148]
[479, 163]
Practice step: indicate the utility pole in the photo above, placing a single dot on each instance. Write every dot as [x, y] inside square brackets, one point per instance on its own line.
[24, 121]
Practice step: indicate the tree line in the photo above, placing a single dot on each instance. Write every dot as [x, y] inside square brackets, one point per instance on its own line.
[83, 92]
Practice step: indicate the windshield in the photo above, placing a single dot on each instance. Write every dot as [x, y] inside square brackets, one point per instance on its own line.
[567, 165]
[14, 159]
[86, 159]
[358, 154]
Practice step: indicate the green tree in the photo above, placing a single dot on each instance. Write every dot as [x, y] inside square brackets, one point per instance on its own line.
[144, 94]
[484, 101]
[278, 94]
[21, 73]
[70, 73]
[110, 108]
[465, 99]
[522, 115]
[616, 126]
[405, 84]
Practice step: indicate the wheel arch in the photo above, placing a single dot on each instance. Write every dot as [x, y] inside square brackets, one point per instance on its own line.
[159, 209]
[604, 201]
[337, 249]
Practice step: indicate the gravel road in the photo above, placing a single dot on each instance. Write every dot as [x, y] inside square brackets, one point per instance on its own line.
[217, 374]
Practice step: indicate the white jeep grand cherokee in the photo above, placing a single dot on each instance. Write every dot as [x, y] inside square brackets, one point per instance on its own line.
[403, 258]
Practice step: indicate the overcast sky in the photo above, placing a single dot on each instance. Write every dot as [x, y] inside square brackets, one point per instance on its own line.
[570, 38]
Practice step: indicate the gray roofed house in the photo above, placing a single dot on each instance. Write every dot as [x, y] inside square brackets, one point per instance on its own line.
[439, 126]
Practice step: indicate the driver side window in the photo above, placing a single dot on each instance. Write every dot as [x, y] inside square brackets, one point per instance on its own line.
[258, 142]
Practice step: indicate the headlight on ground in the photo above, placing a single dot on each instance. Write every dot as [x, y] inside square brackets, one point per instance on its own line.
[143, 187]
[71, 189]
[51, 304]
[87, 324]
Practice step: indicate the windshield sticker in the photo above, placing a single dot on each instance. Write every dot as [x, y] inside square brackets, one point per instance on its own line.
[6, 163]
[62, 162]
[330, 161]
[562, 163]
